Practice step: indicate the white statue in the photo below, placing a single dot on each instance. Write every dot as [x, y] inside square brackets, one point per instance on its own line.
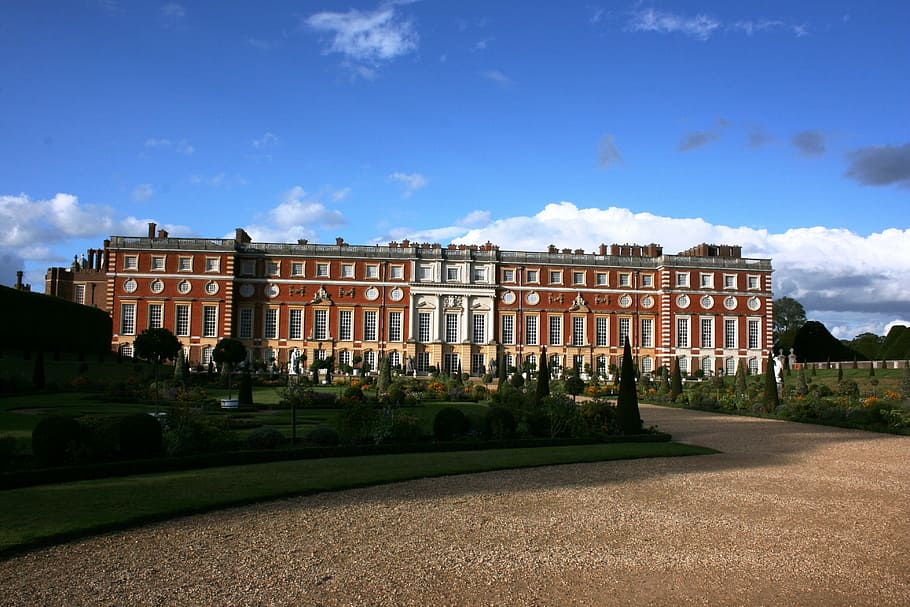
[295, 360]
[779, 368]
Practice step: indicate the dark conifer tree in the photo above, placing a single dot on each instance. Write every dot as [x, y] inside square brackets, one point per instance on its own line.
[543, 379]
[676, 387]
[627, 413]
[771, 398]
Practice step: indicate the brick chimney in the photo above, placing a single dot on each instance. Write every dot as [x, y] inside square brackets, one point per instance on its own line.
[152, 227]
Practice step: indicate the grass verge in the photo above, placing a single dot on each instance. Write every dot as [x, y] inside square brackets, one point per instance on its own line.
[49, 514]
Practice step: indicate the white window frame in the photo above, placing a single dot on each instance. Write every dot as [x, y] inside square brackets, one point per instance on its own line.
[531, 330]
[396, 272]
[395, 326]
[347, 270]
[682, 280]
[323, 270]
[603, 279]
[130, 262]
[683, 332]
[370, 325]
[212, 264]
[270, 319]
[554, 332]
[555, 277]
[182, 316]
[507, 334]
[346, 325]
[184, 264]
[128, 318]
[245, 323]
[578, 278]
[210, 321]
[298, 268]
[158, 263]
[320, 324]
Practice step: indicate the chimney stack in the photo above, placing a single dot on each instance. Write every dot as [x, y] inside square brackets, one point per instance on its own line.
[152, 227]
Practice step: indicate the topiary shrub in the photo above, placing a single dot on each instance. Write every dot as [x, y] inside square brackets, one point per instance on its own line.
[396, 394]
[140, 436]
[322, 436]
[499, 422]
[57, 440]
[354, 393]
[103, 433]
[264, 438]
[449, 423]
[599, 416]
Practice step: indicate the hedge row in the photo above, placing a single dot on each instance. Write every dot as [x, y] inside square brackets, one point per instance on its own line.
[52, 324]
[13, 480]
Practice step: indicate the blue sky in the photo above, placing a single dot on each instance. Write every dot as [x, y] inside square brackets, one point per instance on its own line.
[780, 126]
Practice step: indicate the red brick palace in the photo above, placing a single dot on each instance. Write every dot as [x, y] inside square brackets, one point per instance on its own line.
[422, 304]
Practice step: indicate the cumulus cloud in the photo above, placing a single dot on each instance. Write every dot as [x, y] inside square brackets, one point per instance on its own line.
[298, 215]
[474, 219]
[366, 36]
[608, 154]
[881, 165]
[35, 230]
[834, 273]
[411, 181]
[810, 143]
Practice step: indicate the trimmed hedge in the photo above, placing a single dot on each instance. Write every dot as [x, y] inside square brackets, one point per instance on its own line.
[52, 324]
[43, 476]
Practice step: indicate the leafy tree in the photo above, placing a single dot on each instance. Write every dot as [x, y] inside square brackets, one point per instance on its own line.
[156, 345]
[627, 413]
[574, 385]
[772, 399]
[788, 316]
[676, 387]
[543, 379]
[867, 345]
[228, 352]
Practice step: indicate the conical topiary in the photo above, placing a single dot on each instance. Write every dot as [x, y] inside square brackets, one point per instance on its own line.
[627, 413]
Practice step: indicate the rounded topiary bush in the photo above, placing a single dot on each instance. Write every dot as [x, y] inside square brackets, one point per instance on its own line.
[449, 423]
[264, 438]
[322, 436]
[56, 440]
[353, 393]
[499, 423]
[140, 436]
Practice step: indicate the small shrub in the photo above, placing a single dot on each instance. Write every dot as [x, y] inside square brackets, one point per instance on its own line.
[57, 440]
[322, 436]
[599, 416]
[355, 421]
[499, 422]
[449, 423]
[354, 393]
[140, 436]
[264, 438]
[406, 428]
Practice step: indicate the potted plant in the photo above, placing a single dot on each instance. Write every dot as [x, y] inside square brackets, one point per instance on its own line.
[229, 352]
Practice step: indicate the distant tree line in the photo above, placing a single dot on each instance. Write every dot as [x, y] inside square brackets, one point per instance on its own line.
[812, 342]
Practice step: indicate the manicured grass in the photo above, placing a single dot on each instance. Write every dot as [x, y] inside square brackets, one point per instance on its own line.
[46, 514]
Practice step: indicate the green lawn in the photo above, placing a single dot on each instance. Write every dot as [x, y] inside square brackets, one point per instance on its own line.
[47, 514]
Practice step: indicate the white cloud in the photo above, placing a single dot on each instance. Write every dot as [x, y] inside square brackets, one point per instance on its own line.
[143, 192]
[173, 9]
[834, 273]
[474, 219]
[183, 146]
[498, 77]
[411, 181]
[267, 140]
[699, 27]
[298, 215]
[367, 36]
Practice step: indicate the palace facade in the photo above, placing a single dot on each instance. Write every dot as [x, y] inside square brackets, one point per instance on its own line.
[425, 305]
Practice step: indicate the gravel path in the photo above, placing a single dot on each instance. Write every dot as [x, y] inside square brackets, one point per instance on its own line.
[788, 514]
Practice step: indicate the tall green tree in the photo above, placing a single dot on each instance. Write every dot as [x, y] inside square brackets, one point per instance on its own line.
[627, 414]
[788, 316]
[543, 379]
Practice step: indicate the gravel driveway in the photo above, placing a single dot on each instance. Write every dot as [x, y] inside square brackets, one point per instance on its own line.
[788, 514]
